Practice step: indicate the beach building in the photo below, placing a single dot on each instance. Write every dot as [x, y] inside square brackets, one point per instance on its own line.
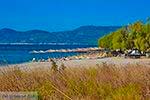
[135, 53]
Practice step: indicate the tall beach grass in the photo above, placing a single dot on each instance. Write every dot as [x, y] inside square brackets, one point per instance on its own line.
[101, 82]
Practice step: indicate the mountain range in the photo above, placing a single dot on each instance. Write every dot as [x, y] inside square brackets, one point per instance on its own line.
[82, 35]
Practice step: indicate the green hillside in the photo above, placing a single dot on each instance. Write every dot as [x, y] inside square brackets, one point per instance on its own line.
[136, 35]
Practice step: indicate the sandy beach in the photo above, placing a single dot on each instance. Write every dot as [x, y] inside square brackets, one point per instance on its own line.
[81, 63]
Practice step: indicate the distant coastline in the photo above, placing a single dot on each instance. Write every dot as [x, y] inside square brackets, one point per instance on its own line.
[14, 53]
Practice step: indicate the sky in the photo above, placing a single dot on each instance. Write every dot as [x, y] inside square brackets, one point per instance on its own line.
[60, 15]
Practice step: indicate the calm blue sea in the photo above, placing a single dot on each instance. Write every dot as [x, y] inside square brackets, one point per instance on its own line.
[14, 54]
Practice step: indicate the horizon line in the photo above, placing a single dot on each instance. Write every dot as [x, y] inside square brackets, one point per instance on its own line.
[61, 30]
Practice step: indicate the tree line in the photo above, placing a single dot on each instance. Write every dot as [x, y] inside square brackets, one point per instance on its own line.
[136, 35]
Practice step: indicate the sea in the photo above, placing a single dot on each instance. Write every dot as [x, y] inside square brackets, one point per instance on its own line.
[16, 54]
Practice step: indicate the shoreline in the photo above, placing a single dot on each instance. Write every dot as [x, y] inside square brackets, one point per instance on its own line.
[80, 63]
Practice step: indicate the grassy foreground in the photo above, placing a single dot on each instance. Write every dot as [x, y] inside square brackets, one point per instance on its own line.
[101, 82]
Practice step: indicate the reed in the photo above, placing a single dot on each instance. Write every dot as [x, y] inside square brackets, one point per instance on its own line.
[101, 82]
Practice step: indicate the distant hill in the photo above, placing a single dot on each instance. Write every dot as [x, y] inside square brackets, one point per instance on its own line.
[81, 35]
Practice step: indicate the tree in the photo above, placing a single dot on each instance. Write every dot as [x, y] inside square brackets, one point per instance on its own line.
[119, 40]
[136, 35]
[106, 41]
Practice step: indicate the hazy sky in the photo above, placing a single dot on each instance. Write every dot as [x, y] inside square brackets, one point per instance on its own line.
[57, 15]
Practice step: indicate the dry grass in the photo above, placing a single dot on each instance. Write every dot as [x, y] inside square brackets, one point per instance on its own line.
[101, 82]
